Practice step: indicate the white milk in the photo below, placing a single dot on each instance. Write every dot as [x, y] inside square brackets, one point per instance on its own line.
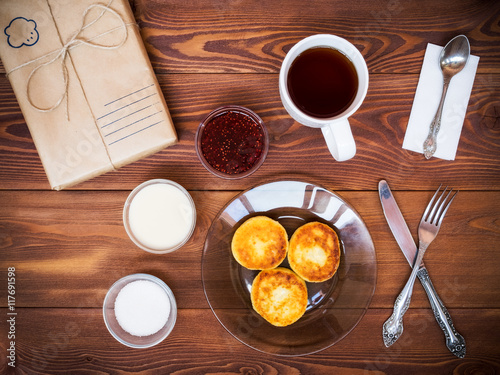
[161, 216]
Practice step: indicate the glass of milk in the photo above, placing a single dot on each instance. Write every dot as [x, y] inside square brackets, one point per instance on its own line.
[159, 216]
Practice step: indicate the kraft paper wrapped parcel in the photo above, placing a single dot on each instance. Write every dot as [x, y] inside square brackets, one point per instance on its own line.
[85, 85]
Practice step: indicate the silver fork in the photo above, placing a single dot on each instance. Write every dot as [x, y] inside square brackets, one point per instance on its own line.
[427, 231]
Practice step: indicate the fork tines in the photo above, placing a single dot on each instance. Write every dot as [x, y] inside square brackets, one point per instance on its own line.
[439, 209]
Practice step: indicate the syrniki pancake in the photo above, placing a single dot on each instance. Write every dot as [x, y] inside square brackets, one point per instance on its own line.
[279, 296]
[260, 243]
[314, 252]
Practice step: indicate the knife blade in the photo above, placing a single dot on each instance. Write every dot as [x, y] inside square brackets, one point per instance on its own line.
[397, 223]
[454, 341]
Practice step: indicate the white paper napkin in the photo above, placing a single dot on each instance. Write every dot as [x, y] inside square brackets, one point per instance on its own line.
[426, 101]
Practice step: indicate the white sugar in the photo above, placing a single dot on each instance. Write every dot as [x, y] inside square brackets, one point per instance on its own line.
[142, 308]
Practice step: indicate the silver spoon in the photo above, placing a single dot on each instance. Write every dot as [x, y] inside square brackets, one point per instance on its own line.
[452, 60]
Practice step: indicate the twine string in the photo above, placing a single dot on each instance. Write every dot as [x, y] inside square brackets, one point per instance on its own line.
[62, 53]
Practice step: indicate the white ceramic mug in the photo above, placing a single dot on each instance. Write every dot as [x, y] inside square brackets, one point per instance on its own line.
[336, 130]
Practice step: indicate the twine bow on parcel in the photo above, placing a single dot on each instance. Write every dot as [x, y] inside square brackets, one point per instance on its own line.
[62, 53]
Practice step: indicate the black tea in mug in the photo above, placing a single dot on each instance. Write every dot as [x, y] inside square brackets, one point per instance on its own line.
[322, 82]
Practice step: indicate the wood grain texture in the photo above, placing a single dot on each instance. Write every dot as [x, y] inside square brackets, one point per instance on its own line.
[379, 127]
[75, 341]
[69, 247]
[245, 36]
[253, 37]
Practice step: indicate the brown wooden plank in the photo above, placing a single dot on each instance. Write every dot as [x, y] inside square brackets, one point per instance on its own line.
[254, 37]
[248, 36]
[50, 341]
[378, 127]
[69, 247]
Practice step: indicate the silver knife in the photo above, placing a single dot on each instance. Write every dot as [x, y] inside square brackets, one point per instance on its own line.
[454, 341]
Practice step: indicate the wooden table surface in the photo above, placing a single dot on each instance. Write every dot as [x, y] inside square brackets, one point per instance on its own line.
[69, 247]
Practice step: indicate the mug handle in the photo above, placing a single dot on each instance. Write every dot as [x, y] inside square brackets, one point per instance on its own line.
[339, 139]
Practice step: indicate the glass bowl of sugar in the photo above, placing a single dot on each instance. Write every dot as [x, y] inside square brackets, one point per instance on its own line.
[159, 216]
[139, 310]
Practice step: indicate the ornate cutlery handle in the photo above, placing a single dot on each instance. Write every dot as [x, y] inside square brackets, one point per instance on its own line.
[454, 341]
[430, 143]
[393, 327]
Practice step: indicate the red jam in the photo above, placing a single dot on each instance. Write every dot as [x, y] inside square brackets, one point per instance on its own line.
[232, 142]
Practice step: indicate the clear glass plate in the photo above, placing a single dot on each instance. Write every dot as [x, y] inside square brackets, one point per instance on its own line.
[334, 307]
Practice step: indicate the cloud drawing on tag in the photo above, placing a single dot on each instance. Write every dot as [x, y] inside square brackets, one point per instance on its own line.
[21, 32]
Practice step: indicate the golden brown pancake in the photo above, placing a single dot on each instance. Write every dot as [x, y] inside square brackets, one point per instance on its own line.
[314, 252]
[260, 243]
[279, 296]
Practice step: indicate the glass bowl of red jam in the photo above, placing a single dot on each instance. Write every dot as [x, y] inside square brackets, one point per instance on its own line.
[232, 142]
